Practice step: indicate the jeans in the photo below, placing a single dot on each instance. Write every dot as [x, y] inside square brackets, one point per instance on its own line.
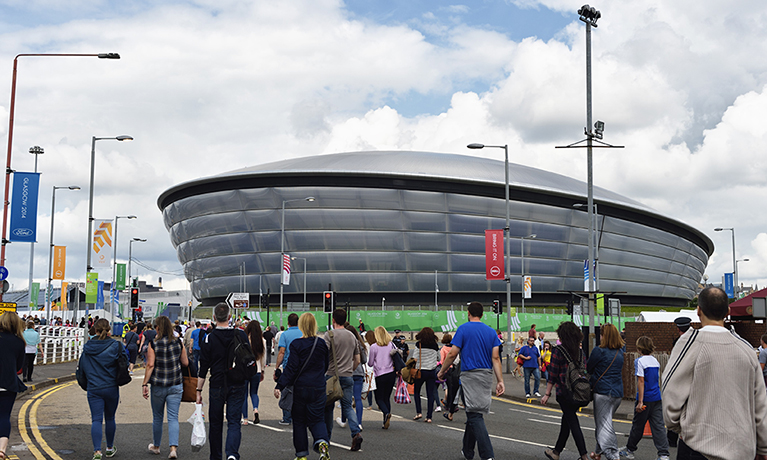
[569, 425]
[384, 387]
[653, 413]
[476, 433]
[604, 411]
[6, 407]
[308, 412]
[160, 397]
[430, 379]
[536, 375]
[233, 397]
[685, 453]
[103, 403]
[196, 360]
[253, 384]
[29, 365]
[347, 384]
[357, 390]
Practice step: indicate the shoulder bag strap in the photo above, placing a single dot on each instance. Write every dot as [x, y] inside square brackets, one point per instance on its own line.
[307, 359]
[608, 367]
[333, 350]
[420, 357]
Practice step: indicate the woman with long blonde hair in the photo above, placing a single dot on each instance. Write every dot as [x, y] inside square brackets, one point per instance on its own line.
[11, 362]
[383, 370]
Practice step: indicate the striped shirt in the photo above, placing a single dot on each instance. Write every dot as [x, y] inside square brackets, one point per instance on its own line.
[429, 361]
[167, 362]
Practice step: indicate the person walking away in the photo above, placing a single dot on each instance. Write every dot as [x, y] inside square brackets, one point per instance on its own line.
[131, 340]
[713, 391]
[222, 392]
[258, 346]
[480, 361]
[344, 359]
[305, 371]
[452, 377]
[165, 356]
[197, 336]
[32, 339]
[570, 337]
[605, 366]
[359, 378]
[283, 347]
[532, 333]
[531, 365]
[269, 339]
[383, 370]
[649, 405]
[99, 365]
[147, 336]
[682, 323]
[370, 338]
[11, 362]
[426, 355]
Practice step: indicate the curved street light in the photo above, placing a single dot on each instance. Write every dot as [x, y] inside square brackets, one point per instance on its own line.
[48, 287]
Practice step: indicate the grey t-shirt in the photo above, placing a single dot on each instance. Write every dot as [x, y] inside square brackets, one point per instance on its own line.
[763, 360]
[345, 349]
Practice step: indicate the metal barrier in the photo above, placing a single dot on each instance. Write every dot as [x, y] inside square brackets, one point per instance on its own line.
[59, 344]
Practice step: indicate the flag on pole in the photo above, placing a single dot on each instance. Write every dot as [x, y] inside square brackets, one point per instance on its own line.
[286, 269]
[586, 275]
[528, 287]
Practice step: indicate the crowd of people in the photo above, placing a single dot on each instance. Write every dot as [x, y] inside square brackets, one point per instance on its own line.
[710, 371]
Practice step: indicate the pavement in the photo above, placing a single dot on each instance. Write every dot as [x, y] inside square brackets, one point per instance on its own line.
[51, 374]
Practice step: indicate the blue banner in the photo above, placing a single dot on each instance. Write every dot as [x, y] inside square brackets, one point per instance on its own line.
[24, 207]
[100, 296]
[729, 285]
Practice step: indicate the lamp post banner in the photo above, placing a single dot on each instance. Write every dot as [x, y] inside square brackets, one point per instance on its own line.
[64, 286]
[729, 285]
[91, 287]
[101, 252]
[528, 287]
[100, 295]
[34, 294]
[120, 276]
[286, 269]
[494, 265]
[24, 207]
[59, 262]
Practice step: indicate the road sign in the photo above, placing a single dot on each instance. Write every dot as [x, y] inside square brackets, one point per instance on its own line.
[238, 300]
[3, 273]
[7, 306]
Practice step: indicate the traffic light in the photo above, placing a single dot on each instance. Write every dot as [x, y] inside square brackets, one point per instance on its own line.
[497, 306]
[327, 301]
[134, 297]
[570, 306]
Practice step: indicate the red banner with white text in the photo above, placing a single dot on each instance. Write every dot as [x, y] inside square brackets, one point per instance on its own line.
[494, 268]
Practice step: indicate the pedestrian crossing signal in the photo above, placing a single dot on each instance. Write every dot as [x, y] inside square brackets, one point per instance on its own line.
[497, 307]
[327, 301]
[134, 298]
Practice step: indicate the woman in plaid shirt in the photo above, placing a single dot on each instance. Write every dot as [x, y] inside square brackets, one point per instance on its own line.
[571, 336]
[164, 358]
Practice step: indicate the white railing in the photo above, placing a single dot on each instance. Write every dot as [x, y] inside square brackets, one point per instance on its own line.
[59, 344]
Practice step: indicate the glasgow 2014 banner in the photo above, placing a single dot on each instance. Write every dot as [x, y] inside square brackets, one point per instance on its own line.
[24, 207]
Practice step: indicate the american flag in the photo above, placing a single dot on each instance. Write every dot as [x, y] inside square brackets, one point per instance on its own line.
[285, 269]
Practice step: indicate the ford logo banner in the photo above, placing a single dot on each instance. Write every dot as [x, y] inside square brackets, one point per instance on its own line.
[24, 207]
[23, 232]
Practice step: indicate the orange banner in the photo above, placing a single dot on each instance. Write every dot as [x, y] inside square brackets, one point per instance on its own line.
[59, 262]
[64, 286]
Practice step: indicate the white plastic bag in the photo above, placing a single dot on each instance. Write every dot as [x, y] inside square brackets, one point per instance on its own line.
[198, 428]
[369, 384]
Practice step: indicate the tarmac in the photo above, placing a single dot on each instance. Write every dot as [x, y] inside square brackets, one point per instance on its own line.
[52, 374]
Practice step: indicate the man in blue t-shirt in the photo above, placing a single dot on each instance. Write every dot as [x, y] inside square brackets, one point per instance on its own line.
[283, 346]
[532, 365]
[480, 362]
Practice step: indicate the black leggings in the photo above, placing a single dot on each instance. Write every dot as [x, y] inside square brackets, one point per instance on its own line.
[569, 425]
[6, 406]
[384, 387]
[29, 364]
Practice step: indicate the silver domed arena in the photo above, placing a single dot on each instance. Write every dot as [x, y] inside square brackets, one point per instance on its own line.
[399, 224]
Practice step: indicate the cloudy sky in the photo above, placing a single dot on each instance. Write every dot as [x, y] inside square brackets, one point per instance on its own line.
[209, 86]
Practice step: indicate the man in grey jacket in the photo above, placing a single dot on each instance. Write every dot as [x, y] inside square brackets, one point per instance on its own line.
[713, 391]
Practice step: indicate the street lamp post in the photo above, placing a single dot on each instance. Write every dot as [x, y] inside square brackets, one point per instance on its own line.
[112, 287]
[282, 246]
[49, 288]
[88, 267]
[523, 267]
[596, 241]
[130, 252]
[734, 263]
[507, 232]
[737, 288]
[36, 151]
[11, 112]
[302, 258]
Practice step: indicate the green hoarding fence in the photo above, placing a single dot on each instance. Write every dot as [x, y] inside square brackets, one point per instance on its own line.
[441, 321]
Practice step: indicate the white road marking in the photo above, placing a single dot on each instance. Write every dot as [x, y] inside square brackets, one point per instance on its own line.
[504, 438]
[269, 427]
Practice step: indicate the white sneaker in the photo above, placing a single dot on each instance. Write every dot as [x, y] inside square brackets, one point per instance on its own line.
[438, 409]
[663, 457]
[527, 395]
[340, 423]
[626, 453]
[537, 395]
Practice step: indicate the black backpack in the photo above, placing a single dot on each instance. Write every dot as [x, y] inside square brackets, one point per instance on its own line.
[122, 376]
[240, 361]
[577, 384]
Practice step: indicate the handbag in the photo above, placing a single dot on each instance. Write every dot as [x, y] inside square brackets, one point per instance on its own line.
[401, 396]
[122, 376]
[396, 358]
[286, 395]
[417, 373]
[333, 390]
[190, 384]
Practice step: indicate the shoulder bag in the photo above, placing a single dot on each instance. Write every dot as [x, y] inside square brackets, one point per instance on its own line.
[333, 390]
[603, 374]
[189, 380]
[122, 376]
[417, 373]
[286, 395]
[396, 358]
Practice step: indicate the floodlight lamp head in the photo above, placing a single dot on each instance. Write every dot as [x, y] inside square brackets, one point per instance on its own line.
[310, 199]
[36, 150]
[718, 229]
[124, 138]
[589, 15]
[599, 129]
[476, 146]
[74, 187]
[109, 56]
